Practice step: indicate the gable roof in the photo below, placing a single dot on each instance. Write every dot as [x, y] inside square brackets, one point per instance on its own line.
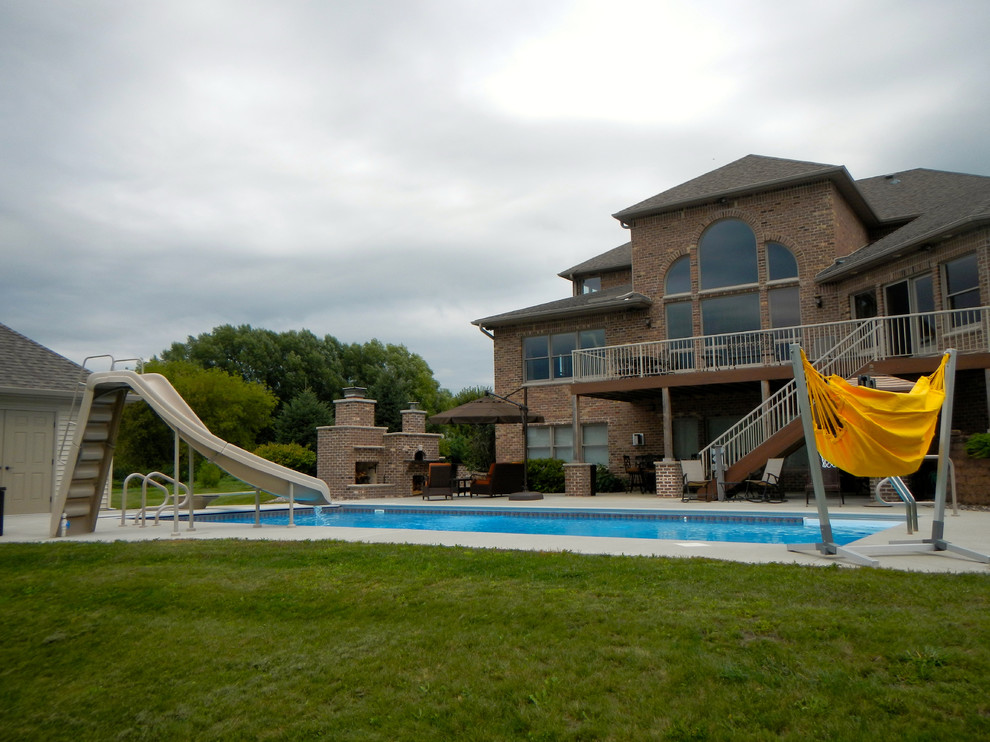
[751, 174]
[930, 205]
[615, 259]
[607, 300]
[26, 366]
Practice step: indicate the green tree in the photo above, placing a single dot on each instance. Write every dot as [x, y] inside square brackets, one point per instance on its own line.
[393, 376]
[300, 417]
[232, 408]
[288, 363]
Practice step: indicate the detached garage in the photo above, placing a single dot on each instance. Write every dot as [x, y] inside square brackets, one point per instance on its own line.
[37, 387]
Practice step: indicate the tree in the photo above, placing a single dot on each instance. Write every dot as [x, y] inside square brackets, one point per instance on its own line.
[393, 376]
[288, 363]
[300, 417]
[232, 408]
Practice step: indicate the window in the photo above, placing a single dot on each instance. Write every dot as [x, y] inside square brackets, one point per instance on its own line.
[557, 442]
[679, 324]
[962, 288]
[591, 284]
[549, 356]
[733, 313]
[864, 305]
[727, 251]
[781, 263]
[678, 277]
[785, 306]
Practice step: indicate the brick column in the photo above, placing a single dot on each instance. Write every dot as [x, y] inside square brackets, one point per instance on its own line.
[669, 480]
[577, 480]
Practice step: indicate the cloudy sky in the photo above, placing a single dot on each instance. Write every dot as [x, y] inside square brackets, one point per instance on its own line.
[394, 169]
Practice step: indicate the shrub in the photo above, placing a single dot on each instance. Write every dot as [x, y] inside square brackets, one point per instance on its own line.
[290, 455]
[978, 446]
[606, 481]
[208, 474]
[545, 475]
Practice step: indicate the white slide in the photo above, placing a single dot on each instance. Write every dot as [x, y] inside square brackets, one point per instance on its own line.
[168, 404]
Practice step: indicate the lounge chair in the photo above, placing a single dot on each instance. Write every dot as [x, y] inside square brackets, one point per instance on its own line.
[695, 483]
[502, 479]
[439, 482]
[767, 488]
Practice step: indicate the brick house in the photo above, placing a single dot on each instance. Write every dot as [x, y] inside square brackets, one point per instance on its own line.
[673, 340]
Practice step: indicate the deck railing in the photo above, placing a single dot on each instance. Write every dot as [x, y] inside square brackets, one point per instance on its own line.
[920, 334]
[840, 348]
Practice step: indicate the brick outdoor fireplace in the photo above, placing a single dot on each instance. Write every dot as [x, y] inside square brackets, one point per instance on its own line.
[358, 460]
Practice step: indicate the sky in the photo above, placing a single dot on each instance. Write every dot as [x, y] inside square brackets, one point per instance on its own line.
[395, 169]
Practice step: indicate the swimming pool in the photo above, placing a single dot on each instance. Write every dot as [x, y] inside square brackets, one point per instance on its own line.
[641, 524]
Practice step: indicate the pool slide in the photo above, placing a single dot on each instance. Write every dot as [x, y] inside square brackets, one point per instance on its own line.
[88, 463]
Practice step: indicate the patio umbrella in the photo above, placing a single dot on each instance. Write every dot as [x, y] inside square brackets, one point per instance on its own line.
[483, 411]
[492, 409]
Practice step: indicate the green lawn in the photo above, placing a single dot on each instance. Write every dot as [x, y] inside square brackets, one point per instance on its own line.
[288, 640]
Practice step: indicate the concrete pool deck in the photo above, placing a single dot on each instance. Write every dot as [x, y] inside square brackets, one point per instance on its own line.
[969, 529]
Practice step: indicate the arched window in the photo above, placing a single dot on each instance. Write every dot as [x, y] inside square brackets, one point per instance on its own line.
[727, 254]
[781, 262]
[678, 277]
[785, 301]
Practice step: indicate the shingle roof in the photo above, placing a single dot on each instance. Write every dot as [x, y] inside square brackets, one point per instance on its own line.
[613, 260]
[932, 204]
[750, 174]
[607, 300]
[25, 365]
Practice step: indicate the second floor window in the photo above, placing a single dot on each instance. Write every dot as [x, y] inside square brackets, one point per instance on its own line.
[962, 288]
[547, 357]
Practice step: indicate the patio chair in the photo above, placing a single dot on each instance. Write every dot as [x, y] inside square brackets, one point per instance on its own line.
[695, 483]
[439, 482]
[503, 479]
[767, 488]
[635, 474]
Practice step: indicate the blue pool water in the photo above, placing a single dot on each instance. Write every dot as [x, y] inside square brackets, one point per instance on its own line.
[739, 528]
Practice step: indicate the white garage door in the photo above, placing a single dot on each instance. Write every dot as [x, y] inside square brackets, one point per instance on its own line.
[26, 460]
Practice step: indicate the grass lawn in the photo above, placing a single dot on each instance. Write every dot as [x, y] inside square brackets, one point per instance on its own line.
[304, 640]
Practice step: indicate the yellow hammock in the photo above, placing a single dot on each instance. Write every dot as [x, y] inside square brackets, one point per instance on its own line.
[873, 433]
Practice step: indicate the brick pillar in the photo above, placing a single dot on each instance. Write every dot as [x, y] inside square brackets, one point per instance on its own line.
[669, 481]
[577, 480]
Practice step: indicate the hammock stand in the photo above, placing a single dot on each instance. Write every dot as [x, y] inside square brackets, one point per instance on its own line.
[861, 554]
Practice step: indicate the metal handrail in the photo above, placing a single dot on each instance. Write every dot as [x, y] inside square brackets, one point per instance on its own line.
[147, 479]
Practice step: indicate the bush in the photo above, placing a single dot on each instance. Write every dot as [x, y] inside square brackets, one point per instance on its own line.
[208, 474]
[978, 446]
[290, 455]
[545, 475]
[606, 481]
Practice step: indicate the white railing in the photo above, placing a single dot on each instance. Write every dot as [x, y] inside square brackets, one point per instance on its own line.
[840, 348]
[903, 335]
[869, 340]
